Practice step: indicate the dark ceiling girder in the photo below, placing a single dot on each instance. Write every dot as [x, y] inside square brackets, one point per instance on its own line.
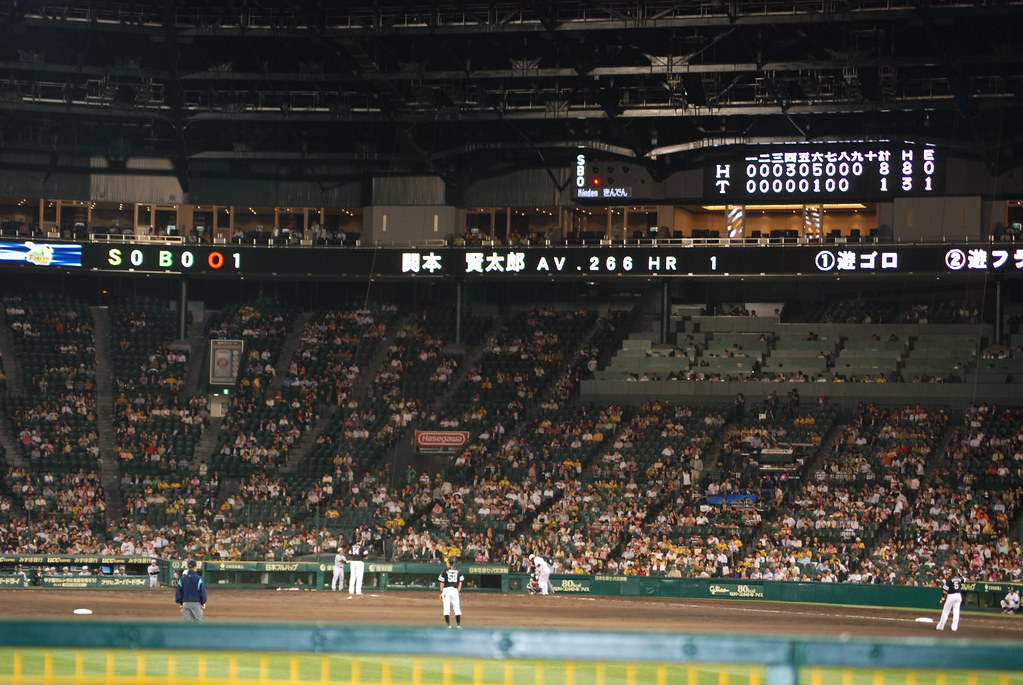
[162, 115]
[757, 53]
[652, 69]
[361, 81]
[942, 51]
[50, 167]
[179, 159]
[698, 18]
[392, 106]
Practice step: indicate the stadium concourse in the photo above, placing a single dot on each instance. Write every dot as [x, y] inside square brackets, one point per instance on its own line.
[113, 447]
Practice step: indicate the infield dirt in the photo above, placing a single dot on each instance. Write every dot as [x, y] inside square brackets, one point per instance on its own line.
[422, 608]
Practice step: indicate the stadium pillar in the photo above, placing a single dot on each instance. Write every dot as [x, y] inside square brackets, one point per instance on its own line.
[458, 312]
[665, 309]
[183, 311]
[998, 311]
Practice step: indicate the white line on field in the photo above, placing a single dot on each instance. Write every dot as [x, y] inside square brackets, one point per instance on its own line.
[755, 610]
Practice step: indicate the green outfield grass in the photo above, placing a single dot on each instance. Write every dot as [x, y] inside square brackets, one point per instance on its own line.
[116, 667]
[898, 676]
[241, 668]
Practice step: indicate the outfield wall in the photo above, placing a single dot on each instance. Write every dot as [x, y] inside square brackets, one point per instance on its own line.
[384, 576]
[108, 653]
[765, 590]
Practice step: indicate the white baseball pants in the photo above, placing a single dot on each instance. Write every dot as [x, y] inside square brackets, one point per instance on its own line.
[452, 603]
[338, 581]
[952, 603]
[356, 571]
[543, 579]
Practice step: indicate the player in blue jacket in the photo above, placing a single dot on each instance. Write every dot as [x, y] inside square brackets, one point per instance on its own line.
[191, 594]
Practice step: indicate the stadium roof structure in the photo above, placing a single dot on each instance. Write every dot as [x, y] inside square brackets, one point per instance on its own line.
[447, 88]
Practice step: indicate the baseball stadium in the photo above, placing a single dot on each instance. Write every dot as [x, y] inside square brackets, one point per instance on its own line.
[511, 343]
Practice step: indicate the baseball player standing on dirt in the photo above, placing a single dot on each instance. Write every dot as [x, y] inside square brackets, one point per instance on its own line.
[154, 574]
[337, 583]
[543, 574]
[451, 580]
[357, 555]
[191, 594]
[951, 599]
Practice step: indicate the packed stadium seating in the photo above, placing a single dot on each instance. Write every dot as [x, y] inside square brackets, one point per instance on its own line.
[965, 511]
[55, 422]
[260, 427]
[157, 428]
[870, 471]
[770, 486]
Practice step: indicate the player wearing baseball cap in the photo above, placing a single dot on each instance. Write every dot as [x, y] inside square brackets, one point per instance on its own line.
[451, 580]
[357, 555]
[543, 574]
[951, 599]
[337, 582]
[154, 574]
[191, 594]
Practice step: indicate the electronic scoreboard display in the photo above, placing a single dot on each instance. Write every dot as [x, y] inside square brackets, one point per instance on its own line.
[503, 263]
[833, 172]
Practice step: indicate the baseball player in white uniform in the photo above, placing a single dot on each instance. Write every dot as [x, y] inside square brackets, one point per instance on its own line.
[357, 555]
[337, 583]
[1010, 605]
[543, 574]
[451, 580]
[951, 599]
[154, 574]
[19, 572]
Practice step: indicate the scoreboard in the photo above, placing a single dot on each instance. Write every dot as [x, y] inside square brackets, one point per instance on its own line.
[672, 259]
[818, 173]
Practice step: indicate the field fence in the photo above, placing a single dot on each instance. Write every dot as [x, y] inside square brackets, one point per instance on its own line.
[100, 653]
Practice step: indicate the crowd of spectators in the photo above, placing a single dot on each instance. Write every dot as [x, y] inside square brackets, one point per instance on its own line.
[597, 489]
[156, 427]
[56, 422]
[159, 432]
[415, 365]
[868, 476]
[21, 535]
[158, 497]
[606, 514]
[795, 376]
[261, 426]
[143, 361]
[965, 511]
[608, 333]
[259, 433]
[49, 495]
[263, 326]
[334, 346]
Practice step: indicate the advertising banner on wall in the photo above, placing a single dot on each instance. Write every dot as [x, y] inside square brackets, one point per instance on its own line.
[225, 361]
[41, 254]
[441, 441]
[736, 590]
[81, 582]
